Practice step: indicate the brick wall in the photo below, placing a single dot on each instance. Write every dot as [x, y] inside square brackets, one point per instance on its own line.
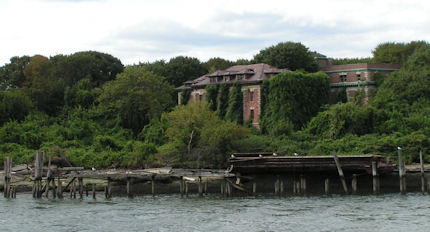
[251, 103]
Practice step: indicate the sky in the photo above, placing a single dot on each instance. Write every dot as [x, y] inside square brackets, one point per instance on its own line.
[147, 30]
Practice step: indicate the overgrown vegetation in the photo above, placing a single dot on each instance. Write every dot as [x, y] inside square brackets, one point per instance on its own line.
[88, 110]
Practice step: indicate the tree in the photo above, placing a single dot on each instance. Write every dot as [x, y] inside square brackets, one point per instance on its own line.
[14, 105]
[214, 64]
[198, 138]
[183, 68]
[12, 74]
[45, 90]
[235, 105]
[97, 67]
[135, 96]
[396, 53]
[289, 55]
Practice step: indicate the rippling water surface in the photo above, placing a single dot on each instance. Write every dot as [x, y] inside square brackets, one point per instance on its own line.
[390, 212]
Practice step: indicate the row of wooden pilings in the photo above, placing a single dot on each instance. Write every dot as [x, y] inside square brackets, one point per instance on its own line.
[226, 188]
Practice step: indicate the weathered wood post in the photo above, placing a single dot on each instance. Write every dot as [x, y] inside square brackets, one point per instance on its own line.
[186, 188]
[7, 177]
[254, 188]
[86, 189]
[339, 170]
[60, 186]
[38, 168]
[81, 187]
[423, 178]
[281, 186]
[402, 181]
[182, 186]
[54, 188]
[327, 186]
[354, 183]
[223, 187]
[48, 178]
[129, 187]
[303, 187]
[200, 186]
[375, 178]
[94, 190]
[109, 187]
[277, 185]
[206, 187]
[153, 185]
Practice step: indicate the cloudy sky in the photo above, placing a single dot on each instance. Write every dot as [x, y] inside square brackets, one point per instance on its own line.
[148, 30]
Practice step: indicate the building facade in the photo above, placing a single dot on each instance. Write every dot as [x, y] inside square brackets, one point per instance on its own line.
[349, 78]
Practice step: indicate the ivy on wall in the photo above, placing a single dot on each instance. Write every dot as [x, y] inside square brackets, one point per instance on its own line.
[291, 99]
[222, 101]
[235, 105]
[211, 96]
[185, 94]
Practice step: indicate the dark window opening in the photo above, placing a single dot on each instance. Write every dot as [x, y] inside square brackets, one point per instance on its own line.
[251, 115]
[251, 96]
[342, 78]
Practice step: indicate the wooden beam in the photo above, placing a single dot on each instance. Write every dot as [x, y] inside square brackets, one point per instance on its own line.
[339, 170]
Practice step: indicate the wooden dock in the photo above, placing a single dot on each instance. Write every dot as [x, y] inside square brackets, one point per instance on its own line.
[250, 163]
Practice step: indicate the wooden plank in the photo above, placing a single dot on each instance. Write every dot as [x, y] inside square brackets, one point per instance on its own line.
[375, 178]
[402, 182]
[341, 175]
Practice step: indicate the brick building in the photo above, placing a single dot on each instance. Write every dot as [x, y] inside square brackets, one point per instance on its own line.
[350, 77]
[249, 76]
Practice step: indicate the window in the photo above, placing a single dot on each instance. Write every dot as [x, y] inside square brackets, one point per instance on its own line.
[342, 77]
[251, 95]
[219, 79]
[358, 76]
[200, 97]
[239, 77]
[212, 79]
[251, 115]
[232, 78]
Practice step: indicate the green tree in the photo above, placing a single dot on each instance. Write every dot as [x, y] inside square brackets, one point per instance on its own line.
[14, 105]
[289, 55]
[182, 68]
[97, 67]
[12, 74]
[235, 105]
[214, 64]
[135, 96]
[396, 53]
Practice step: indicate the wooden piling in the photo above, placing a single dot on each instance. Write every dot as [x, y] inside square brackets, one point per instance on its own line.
[54, 188]
[254, 188]
[303, 187]
[339, 170]
[402, 181]
[81, 187]
[327, 186]
[375, 177]
[86, 190]
[109, 188]
[129, 187]
[93, 186]
[281, 186]
[277, 185]
[7, 177]
[60, 187]
[423, 178]
[38, 168]
[222, 188]
[206, 187]
[200, 186]
[182, 186]
[186, 188]
[354, 183]
[153, 185]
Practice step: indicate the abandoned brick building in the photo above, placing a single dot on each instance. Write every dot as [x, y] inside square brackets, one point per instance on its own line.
[350, 78]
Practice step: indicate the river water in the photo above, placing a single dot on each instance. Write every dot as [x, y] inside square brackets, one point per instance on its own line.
[388, 212]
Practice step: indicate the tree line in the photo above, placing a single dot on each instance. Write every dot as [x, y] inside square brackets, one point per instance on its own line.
[90, 109]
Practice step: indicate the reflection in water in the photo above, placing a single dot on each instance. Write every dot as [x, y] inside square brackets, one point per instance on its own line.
[390, 212]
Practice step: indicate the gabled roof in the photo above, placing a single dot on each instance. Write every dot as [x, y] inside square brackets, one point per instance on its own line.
[254, 73]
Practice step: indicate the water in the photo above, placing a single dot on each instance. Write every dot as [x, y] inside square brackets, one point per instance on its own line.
[389, 212]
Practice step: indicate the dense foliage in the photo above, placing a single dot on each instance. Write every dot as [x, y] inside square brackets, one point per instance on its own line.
[293, 56]
[292, 99]
[85, 109]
